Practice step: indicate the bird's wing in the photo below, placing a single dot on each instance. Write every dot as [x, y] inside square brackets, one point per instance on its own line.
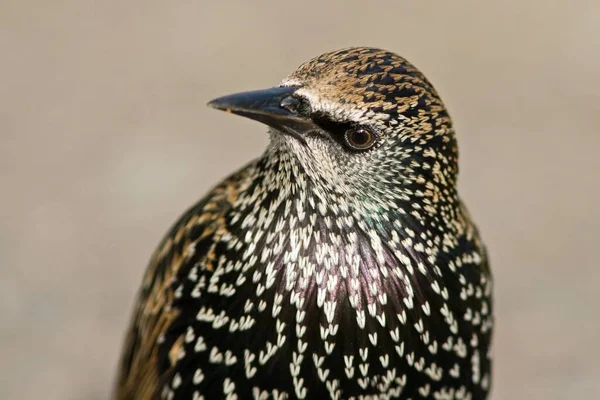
[143, 367]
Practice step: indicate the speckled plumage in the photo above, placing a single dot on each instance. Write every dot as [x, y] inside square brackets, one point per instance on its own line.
[321, 272]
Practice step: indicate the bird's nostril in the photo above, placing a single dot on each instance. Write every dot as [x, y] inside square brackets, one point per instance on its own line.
[290, 103]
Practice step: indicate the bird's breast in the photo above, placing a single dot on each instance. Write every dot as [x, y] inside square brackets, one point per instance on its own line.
[320, 308]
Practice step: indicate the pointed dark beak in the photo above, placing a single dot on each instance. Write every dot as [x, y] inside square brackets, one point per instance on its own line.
[275, 107]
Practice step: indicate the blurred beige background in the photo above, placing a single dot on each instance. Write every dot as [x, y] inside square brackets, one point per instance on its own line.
[105, 139]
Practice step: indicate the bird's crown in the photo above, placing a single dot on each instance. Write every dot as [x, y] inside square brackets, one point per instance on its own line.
[365, 82]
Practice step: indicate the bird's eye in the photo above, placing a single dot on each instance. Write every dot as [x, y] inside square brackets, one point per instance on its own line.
[360, 138]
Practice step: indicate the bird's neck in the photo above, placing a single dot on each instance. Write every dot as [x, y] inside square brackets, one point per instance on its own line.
[419, 193]
[282, 189]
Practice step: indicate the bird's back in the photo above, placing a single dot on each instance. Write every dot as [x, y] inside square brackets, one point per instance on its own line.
[154, 339]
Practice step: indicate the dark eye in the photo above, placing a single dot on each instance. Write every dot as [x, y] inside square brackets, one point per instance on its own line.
[360, 138]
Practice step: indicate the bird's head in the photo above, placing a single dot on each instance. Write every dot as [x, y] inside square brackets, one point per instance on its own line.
[358, 118]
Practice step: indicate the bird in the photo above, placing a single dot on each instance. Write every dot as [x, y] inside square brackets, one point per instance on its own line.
[340, 264]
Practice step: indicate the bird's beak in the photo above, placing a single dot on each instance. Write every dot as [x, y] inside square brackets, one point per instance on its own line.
[269, 106]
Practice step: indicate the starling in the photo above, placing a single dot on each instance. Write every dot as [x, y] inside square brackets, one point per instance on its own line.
[341, 264]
